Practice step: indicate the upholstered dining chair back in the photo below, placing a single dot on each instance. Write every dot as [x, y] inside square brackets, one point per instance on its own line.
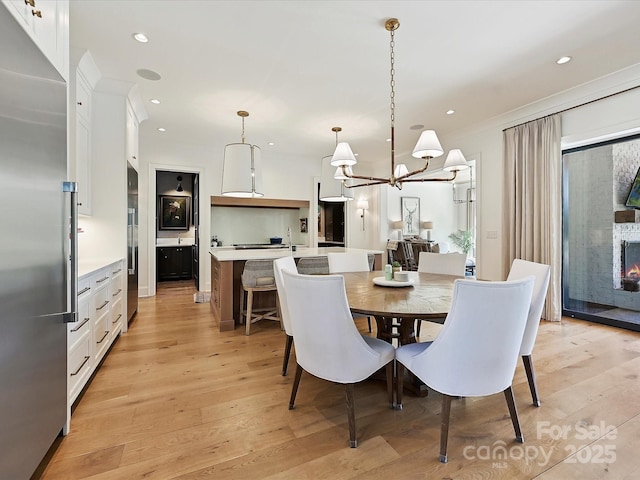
[313, 266]
[328, 344]
[542, 273]
[477, 349]
[280, 265]
[340, 262]
[443, 263]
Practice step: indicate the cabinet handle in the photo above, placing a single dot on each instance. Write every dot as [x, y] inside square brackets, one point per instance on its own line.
[133, 156]
[84, 320]
[85, 289]
[119, 290]
[102, 280]
[31, 3]
[116, 320]
[79, 103]
[103, 337]
[86, 359]
[36, 13]
[117, 271]
[106, 302]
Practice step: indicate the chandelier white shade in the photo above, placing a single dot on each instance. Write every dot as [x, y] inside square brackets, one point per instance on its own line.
[242, 168]
[455, 161]
[332, 190]
[343, 156]
[240, 172]
[428, 145]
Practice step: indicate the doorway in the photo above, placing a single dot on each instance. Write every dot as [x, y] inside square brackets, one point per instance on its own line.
[177, 226]
[331, 222]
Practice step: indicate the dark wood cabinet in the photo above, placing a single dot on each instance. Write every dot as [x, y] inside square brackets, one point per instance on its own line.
[174, 263]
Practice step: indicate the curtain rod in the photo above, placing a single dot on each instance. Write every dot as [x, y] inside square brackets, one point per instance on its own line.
[575, 106]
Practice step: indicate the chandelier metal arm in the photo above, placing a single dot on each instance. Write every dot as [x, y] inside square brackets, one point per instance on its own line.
[455, 173]
[415, 172]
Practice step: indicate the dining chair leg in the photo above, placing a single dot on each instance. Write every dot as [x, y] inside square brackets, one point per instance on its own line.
[511, 403]
[369, 322]
[390, 384]
[399, 384]
[249, 308]
[418, 325]
[531, 377]
[444, 427]
[351, 413]
[294, 389]
[287, 352]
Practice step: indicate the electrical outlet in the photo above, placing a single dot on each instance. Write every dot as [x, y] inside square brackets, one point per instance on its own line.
[492, 234]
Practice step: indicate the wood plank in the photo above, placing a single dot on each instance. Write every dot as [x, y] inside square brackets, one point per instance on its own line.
[176, 398]
[220, 201]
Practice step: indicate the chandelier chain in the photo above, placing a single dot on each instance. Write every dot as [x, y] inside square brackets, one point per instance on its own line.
[393, 81]
[242, 136]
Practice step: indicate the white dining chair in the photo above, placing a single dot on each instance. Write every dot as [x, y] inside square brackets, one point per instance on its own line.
[442, 263]
[280, 265]
[328, 344]
[476, 352]
[542, 273]
[343, 262]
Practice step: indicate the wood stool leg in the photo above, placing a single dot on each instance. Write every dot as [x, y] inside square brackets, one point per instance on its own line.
[249, 307]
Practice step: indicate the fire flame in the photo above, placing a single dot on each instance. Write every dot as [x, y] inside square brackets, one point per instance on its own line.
[634, 272]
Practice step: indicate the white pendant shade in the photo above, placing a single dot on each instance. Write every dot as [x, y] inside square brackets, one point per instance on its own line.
[343, 155]
[455, 161]
[400, 170]
[428, 145]
[340, 173]
[332, 190]
[241, 171]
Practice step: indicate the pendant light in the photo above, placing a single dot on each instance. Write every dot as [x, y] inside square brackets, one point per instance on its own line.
[241, 170]
[332, 188]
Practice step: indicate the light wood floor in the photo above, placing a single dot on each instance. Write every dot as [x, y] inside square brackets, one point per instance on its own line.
[177, 399]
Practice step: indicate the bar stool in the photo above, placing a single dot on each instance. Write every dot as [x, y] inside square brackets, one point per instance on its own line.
[257, 276]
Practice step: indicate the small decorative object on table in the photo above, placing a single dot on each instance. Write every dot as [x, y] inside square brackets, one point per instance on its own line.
[396, 267]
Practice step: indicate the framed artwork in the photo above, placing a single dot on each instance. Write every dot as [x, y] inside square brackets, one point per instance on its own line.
[410, 208]
[174, 212]
[303, 225]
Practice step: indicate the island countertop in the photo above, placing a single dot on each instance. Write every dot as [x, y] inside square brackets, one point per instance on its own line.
[227, 265]
[225, 254]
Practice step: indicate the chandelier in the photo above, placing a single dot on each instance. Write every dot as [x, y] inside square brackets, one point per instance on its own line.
[332, 190]
[428, 147]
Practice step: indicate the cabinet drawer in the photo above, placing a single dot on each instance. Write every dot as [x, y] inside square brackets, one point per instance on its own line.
[100, 279]
[79, 365]
[100, 302]
[77, 329]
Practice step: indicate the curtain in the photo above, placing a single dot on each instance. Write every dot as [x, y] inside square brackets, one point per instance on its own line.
[533, 201]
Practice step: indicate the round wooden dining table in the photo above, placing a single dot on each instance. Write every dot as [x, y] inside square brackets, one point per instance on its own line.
[395, 308]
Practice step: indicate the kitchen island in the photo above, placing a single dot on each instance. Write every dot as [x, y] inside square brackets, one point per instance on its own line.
[226, 271]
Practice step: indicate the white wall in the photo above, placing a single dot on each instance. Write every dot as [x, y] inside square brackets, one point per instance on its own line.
[593, 122]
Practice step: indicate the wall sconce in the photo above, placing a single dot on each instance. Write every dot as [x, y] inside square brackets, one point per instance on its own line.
[179, 187]
[362, 205]
[399, 225]
[428, 226]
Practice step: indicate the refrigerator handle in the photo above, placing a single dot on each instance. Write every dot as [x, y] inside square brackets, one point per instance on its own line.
[131, 232]
[72, 189]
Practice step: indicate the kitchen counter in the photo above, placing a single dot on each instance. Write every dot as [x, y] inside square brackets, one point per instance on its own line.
[227, 265]
[87, 267]
[225, 254]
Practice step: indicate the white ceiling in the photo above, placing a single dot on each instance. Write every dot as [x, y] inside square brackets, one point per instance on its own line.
[302, 67]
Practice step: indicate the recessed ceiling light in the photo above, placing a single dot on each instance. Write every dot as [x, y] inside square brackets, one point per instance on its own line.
[450, 112]
[388, 139]
[271, 144]
[562, 60]
[141, 37]
[356, 154]
[155, 101]
[162, 129]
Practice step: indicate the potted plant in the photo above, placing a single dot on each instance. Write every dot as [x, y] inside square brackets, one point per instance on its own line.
[463, 239]
[396, 267]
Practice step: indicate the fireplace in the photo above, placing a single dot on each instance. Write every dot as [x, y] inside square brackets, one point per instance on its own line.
[631, 266]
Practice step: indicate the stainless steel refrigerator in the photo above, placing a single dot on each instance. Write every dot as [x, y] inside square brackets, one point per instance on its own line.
[35, 262]
[132, 241]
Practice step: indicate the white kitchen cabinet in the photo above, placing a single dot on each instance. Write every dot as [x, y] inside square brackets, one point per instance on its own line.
[80, 105]
[100, 313]
[47, 23]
